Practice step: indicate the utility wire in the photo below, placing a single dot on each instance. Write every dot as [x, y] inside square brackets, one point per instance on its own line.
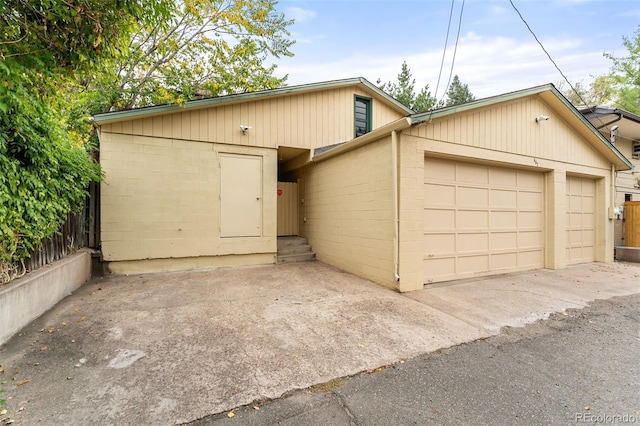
[455, 50]
[556, 65]
[446, 40]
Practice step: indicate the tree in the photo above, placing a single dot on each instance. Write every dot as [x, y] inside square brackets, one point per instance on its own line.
[44, 170]
[458, 93]
[625, 75]
[403, 91]
[598, 92]
[206, 48]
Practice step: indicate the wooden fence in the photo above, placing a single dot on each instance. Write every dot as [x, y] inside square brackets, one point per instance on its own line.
[632, 223]
[78, 230]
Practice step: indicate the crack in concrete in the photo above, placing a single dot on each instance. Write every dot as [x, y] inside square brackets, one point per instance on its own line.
[343, 404]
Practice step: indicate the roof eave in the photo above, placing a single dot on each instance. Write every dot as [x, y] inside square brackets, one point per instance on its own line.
[111, 117]
[400, 124]
[612, 153]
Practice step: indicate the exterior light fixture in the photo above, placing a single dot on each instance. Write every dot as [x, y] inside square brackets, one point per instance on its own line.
[542, 118]
[245, 128]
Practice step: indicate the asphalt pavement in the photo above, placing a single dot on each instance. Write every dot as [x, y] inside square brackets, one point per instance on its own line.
[172, 348]
[576, 367]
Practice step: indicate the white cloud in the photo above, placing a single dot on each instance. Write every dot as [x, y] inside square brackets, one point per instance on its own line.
[489, 65]
[299, 14]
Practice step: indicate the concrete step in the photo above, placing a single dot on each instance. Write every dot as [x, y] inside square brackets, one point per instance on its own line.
[291, 249]
[290, 241]
[292, 258]
[294, 249]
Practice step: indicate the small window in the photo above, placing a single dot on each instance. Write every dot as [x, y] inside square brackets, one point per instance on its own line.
[636, 149]
[627, 197]
[362, 115]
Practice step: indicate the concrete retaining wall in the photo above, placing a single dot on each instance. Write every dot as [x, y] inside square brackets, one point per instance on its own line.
[28, 297]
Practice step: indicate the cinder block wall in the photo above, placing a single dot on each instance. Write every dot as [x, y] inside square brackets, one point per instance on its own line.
[348, 207]
[161, 200]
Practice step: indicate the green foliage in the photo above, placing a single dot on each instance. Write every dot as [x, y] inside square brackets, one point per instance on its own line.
[599, 92]
[43, 175]
[404, 91]
[45, 167]
[625, 75]
[207, 48]
[458, 93]
[69, 35]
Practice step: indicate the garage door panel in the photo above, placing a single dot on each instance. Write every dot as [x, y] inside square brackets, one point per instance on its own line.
[504, 241]
[471, 173]
[588, 220]
[472, 219]
[527, 199]
[503, 198]
[531, 180]
[575, 203]
[503, 261]
[472, 197]
[533, 219]
[439, 219]
[440, 268]
[439, 195]
[532, 239]
[466, 265]
[580, 219]
[440, 244]
[530, 259]
[440, 170]
[503, 220]
[503, 177]
[472, 242]
[587, 204]
[492, 223]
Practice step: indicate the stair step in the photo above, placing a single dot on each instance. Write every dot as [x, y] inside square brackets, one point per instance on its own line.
[290, 241]
[293, 258]
[300, 249]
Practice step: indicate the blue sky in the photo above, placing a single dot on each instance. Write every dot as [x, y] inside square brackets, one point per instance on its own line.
[495, 54]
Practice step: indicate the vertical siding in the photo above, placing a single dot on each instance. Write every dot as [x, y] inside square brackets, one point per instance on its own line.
[349, 211]
[304, 120]
[511, 127]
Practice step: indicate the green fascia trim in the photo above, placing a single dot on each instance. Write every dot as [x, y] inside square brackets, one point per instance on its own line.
[202, 103]
[437, 113]
[587, 123]
[429, 115]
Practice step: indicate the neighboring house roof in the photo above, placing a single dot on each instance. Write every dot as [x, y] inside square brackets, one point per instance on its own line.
[111, 117]
[605, 118]
[547, 92]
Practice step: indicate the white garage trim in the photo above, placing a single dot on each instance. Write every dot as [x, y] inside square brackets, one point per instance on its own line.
[481, 220]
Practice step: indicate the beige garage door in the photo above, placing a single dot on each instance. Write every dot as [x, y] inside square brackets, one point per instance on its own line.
[581, 208]
[481, 220]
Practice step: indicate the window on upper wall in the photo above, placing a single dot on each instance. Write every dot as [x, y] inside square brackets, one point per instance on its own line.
[636, 149]
[362, 115]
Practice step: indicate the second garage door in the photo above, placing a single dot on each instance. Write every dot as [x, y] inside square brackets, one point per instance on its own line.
[581, 209]
[481, 220]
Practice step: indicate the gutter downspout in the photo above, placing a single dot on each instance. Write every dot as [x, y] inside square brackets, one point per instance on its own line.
[396, 221]
[613, 192]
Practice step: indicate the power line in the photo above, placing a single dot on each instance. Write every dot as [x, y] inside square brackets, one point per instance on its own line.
[554, 62]
[455, 50]
[446, 40]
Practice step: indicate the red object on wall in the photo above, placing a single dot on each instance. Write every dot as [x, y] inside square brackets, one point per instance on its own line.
[279, 192]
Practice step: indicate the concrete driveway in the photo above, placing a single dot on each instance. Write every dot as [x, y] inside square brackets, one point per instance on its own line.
[172, 348]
